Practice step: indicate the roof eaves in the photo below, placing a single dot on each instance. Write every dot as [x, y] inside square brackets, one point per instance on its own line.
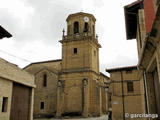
[57, 60]
[4, 33]
[130, 28]
[121, 68]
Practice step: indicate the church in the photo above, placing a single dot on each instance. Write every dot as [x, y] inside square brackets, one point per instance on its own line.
[72, 85]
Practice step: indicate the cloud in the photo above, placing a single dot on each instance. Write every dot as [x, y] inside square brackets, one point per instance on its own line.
[30, 20]
[36, 26]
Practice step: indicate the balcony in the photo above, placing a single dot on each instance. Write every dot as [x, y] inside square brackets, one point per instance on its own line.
[78, 36]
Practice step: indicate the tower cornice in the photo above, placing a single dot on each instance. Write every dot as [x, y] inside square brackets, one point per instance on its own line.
[80, 14]
[80, 37]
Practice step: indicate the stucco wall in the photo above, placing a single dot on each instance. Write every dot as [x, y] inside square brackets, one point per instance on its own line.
[5, 91]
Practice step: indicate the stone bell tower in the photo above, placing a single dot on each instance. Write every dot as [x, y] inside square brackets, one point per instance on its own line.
[80, 45]
[80, 65]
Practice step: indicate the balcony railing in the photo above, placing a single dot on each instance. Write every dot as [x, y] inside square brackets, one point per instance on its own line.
[80, 36]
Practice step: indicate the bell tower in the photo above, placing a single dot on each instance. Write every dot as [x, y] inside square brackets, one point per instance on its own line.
[80, 47]
[80, 67]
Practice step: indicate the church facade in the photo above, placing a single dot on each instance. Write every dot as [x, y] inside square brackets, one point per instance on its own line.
[72, 85]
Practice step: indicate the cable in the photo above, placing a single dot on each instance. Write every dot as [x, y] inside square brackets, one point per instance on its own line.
[15, 56]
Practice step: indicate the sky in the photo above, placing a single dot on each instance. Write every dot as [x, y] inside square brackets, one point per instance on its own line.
[36, 26]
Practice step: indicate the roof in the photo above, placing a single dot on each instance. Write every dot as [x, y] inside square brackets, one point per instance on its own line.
[80, 13]
[104, 75]
[149, 13]
[13, 73]
[122, 69]
[4, 33]
[130, 12]
[57, 60]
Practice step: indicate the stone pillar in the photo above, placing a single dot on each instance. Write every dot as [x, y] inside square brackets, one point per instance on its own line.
[59, 111]
[107, 102]
[86, 98]
[100, 100]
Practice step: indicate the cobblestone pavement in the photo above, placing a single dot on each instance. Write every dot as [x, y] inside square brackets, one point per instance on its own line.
[95, 118]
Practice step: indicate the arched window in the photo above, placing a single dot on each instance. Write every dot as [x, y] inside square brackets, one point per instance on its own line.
[85, 27]
[76, 27]
[45, 80]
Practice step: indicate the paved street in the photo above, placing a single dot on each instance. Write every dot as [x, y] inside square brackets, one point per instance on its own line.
[95, 118]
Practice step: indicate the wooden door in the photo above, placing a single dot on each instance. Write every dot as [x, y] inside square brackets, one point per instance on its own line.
[20, 102]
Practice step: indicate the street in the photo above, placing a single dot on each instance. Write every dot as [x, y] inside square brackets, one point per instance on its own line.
[105, 117]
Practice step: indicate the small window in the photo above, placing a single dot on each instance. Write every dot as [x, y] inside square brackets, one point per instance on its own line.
[85, 27]
[4, 104]
[42, 105]
[75, 50]
[45, 80]
[130, 87]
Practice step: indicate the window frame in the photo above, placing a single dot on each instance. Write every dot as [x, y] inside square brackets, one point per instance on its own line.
[130, 86]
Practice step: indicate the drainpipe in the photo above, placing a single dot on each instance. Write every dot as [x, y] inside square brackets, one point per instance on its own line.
[146, 92]
[123, 96]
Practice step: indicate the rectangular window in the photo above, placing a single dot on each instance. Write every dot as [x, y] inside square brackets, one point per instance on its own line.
[75, 50]
[4, 104]
[42, 105]
[130, 87]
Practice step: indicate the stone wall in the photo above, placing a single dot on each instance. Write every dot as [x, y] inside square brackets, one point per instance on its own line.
[14, 73]
[5, 91]
[9, 74]
[46, 94]
[132, 100]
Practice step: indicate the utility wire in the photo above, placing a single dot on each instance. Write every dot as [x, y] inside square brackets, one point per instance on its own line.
[14, 56]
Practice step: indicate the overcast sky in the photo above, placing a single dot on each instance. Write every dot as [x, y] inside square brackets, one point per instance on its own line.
[36, 26]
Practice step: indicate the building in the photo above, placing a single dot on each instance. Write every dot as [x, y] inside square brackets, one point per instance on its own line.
[147, 33]
[46, 78]
[127, 92]
[72, 85]
[16, 90]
